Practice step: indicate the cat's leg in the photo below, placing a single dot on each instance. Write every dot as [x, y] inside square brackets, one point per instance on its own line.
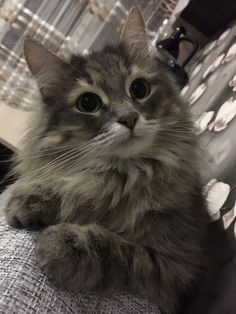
[31, 208]
[91, 257]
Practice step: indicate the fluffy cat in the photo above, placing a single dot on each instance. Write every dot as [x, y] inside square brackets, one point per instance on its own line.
[110, 165]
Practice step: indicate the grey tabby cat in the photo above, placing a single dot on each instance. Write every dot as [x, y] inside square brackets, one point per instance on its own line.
[111, 162]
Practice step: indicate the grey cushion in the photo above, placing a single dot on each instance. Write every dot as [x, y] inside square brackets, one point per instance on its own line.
[25, 289]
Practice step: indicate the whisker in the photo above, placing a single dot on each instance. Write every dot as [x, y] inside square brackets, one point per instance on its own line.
[55, 161]
[8, 178]
[75, 151]
[44, 175]
[47, 171]
[172, 135]
[44, 155]
[105, 141]
[63, 149]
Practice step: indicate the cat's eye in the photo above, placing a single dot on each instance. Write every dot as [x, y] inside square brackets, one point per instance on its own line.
[139, 89]
[89, 102]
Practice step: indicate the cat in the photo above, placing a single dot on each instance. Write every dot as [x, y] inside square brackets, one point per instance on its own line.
[111, 167]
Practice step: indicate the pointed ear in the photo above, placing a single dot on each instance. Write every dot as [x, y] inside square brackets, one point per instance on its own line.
[45, 66]
[134, 32]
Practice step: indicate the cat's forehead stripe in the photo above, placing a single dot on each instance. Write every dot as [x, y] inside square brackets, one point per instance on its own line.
[82, 83]
[135, 69]
[142, 71]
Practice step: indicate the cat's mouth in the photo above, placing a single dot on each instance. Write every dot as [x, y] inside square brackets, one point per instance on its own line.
[123, 142]
[131, 136]
[129, 144]
[127, 136]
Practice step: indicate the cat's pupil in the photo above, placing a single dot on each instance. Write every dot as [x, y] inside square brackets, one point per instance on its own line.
[88, 102]
[139, 89]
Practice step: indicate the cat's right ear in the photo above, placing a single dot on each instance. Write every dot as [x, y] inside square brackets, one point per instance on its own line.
[134, 32]
[44, 65]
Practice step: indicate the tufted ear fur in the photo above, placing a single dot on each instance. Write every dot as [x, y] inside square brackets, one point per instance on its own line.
[45, 66]
[134, 32]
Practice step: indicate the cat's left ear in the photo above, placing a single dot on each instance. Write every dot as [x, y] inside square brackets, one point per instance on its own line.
[134, 32]
[48, 69]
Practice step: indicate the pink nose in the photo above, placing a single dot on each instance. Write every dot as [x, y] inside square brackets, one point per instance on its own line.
[129, 120]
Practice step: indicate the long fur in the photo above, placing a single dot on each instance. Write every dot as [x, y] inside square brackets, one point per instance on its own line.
[125, 213]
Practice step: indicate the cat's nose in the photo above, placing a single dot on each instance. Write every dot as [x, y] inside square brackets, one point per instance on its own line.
[129, 120]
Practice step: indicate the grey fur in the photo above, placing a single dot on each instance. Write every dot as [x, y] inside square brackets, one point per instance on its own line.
[128, 213]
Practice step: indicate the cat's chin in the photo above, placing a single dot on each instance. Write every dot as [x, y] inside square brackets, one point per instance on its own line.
[130, 143]
[131, 147]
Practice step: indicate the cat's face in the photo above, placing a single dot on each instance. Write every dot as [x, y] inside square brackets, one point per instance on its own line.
[120, 98]
[116, 101]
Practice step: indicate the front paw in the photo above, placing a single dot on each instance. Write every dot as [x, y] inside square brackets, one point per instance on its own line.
[65, 257]
[18, 214]
[30, 211]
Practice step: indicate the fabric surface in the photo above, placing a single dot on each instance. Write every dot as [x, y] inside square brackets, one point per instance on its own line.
[25, 289]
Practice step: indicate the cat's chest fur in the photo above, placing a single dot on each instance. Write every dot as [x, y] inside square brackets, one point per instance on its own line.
[115, 196]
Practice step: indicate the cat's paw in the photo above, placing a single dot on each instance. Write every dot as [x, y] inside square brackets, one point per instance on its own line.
[18, 214]
[29, 211]
[63, 255]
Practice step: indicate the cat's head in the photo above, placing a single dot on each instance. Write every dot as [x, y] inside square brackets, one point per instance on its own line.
[117, 102]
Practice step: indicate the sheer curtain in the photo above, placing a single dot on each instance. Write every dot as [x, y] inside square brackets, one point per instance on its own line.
[65, 27]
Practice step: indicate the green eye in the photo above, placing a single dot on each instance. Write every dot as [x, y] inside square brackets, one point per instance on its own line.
[139, 89]
[89, 102]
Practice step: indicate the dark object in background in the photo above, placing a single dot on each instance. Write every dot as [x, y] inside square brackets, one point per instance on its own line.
[169, 50]
[5, 156]
[171, 44]
[209, 16]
